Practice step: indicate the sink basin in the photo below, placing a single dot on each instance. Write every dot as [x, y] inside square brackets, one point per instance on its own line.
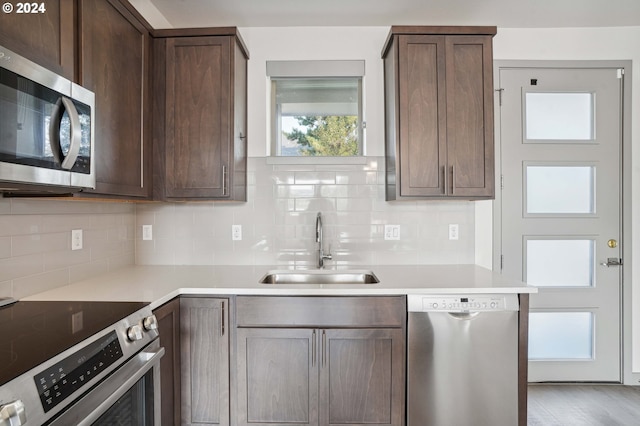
[320, 277]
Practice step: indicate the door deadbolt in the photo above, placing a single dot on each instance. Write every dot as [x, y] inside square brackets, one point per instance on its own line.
[612, 243]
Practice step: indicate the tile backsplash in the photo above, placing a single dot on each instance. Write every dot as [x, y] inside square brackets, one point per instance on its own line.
[278, 228]
[35, 242]
[278, 222]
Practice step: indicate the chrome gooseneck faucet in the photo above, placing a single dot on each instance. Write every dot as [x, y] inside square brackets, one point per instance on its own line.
[321, 255]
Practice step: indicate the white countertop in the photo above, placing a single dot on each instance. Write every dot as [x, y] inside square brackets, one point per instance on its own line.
[159, 284]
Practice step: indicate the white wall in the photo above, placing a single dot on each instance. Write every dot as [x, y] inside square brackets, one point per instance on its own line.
[586, 44]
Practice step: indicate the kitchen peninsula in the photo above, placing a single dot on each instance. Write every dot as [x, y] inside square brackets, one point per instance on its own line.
[309, 335]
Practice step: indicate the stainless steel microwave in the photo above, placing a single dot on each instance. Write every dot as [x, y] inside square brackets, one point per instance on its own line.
[46, 129]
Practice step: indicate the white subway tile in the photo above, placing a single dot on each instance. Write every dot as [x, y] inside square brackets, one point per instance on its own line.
[315, 178]
[6, 289]
[126, 258]
[20, 225]
[315, 204]
[20, 266]
[295, 191]
[354, 204]
[85, 271]
[281, 178]
[64, 258]
[5, 206]
[37, 283]
[5, 247]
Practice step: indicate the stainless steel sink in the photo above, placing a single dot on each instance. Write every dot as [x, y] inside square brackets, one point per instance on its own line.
[320, 277]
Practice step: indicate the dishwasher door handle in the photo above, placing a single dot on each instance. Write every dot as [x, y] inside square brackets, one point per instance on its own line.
[464, 315]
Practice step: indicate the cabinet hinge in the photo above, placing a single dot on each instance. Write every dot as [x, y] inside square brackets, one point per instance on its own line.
[501, 262]
[501, 181]
[620, 72]
[499, 96]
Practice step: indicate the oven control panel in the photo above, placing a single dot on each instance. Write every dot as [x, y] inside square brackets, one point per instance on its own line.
[67, 376]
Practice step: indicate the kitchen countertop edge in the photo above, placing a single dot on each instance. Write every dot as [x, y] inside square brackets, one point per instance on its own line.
[159, 284]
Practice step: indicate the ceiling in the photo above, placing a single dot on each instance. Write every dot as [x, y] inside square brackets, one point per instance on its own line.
[288, 13]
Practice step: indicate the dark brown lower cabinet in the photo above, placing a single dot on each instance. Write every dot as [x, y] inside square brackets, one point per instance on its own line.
[295, 374]
[204, 357]
[168, 316]
[361, 377]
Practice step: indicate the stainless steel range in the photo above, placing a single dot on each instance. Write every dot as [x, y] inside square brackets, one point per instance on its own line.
[79, 363]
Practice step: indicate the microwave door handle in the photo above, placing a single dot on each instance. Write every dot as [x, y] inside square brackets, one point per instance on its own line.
[54, 131]
[75, 133]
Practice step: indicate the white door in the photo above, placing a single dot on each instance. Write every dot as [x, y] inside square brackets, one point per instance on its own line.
[560, 135]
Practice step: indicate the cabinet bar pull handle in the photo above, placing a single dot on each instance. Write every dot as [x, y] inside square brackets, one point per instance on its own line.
[444, 176]
[224, 180]
[222, 322]
[313, 349]
[453, 180]
[324, 347]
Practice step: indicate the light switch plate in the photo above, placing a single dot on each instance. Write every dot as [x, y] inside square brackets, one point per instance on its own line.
[392, 232]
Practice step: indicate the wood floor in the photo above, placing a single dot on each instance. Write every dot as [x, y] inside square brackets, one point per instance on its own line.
[583, 405]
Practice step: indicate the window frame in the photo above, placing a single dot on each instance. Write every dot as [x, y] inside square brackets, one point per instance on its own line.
[317, 69]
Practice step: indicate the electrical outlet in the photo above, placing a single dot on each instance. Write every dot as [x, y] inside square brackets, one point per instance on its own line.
[236, 232]
[454, 233]
[392, 232]
[147, 232]
[76, 239]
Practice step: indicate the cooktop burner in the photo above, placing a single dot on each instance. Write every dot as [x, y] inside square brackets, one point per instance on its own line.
[33, 332]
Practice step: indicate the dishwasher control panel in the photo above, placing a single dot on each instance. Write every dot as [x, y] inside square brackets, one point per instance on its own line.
[463, 303]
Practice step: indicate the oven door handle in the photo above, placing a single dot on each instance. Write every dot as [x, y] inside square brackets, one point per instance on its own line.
[91, 406]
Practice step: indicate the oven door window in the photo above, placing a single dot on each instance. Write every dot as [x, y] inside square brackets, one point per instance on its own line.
[134, 408]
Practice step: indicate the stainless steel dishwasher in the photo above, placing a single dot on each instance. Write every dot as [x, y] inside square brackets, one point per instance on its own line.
[462, 366]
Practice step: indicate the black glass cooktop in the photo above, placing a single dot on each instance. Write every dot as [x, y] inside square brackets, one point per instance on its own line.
[33, 332]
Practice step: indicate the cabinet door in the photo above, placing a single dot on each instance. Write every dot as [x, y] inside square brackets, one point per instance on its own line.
[204, 357]
[470, 115]
[422, 140]
[277, 377]
[362, 377]
[168, 316]
[114, 64]
[45, 38]
[198, 114]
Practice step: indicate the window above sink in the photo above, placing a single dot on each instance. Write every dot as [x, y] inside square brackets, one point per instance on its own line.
[316, 109]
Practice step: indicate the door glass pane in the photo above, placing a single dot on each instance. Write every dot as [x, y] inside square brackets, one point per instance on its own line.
[560, 263]
[559, 116]
[560, 189]
[560, 335]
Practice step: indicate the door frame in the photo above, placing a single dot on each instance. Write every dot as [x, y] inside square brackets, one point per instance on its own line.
[626, 342]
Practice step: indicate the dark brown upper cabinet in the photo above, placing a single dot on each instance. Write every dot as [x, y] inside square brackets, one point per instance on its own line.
[47, 39]
[201, 111]
[114, 63]
[439, 113]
